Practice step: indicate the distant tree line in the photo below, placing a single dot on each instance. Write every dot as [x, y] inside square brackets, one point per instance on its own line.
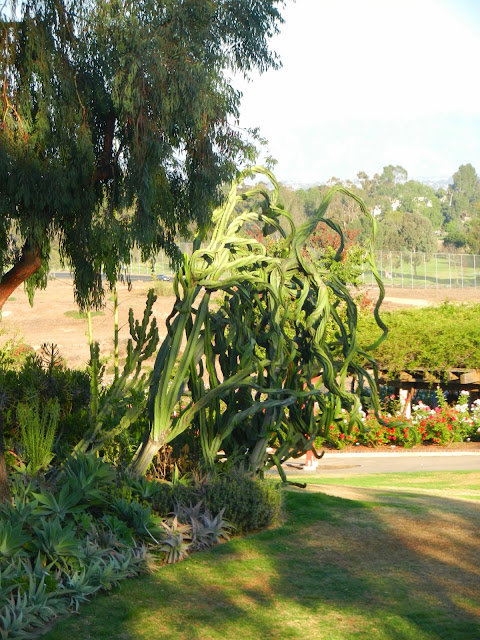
[411, 216]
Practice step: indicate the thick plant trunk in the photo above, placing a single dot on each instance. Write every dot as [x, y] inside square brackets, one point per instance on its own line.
[144, 456]
[29, 263]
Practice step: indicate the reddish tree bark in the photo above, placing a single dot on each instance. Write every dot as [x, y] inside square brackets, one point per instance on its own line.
[4, 490]
[29, 263]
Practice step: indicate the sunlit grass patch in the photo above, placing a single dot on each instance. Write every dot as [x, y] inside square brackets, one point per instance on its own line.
[81, 315]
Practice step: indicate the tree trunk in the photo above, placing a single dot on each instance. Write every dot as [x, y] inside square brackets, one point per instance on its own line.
[29, 263]
[4, 490]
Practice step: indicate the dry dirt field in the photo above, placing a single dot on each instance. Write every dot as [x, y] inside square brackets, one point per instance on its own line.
[47, 322]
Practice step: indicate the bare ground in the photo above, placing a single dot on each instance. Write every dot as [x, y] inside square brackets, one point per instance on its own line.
[396, 298]
[46, 321]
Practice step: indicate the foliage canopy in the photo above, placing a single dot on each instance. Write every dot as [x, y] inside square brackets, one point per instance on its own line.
[115, 107]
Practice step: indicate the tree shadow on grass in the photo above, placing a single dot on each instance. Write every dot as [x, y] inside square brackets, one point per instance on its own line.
[335, 570]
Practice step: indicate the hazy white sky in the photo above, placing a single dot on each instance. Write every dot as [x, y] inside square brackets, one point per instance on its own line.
[367, 83]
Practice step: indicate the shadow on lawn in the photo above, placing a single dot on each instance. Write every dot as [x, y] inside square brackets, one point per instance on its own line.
[336, 570]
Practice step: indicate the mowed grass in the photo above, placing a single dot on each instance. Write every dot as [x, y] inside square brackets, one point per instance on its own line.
[455, 480]
[81, 315]
[337, 569]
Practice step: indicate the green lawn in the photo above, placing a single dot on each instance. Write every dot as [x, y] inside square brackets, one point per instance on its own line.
[336, 569]
[453, 480]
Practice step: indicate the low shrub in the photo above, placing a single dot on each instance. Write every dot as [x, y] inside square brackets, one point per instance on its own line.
[47, 382]
[249, 503]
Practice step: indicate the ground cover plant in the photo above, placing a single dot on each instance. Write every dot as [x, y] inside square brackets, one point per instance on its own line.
[365, 568]
[84, 527]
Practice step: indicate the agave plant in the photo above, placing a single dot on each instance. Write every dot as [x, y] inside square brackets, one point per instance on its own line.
[88, 474]
[67, 501]
[240, 364]
[57, 543]
[217, 527]
[176, 541]
[12, 540]
[138, 517]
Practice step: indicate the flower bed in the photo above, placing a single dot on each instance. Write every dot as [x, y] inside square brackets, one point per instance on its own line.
[442, 425]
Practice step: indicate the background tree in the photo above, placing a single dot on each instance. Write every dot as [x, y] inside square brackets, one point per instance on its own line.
[407, 232]
[117, 126]
[416, 197]
[473, 236]
[381, 190]
[465, 191]
[455, 240]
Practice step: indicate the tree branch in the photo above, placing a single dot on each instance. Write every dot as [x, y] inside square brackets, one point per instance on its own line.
[29, 263]
[106, 167]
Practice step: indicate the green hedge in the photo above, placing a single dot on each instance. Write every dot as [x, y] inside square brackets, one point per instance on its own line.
[433, 338]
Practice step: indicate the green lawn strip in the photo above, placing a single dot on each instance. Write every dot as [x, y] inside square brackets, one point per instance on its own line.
[454, 480]
[332, 571]
[81, 315]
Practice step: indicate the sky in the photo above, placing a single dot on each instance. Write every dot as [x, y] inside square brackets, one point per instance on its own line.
[367, 83]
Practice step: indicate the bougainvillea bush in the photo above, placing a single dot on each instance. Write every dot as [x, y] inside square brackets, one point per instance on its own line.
[441, 425]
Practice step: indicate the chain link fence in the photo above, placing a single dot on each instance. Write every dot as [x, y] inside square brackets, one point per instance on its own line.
[410, 269]
[406, 269]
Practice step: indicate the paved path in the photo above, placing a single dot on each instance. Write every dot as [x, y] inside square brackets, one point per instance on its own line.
[342, 464]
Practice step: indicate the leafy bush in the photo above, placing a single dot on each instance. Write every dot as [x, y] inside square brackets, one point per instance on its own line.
[71, 388]
[249, 503]
[435, 338]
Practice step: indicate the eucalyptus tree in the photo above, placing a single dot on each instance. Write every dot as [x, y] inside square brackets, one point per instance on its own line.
[118, 126]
